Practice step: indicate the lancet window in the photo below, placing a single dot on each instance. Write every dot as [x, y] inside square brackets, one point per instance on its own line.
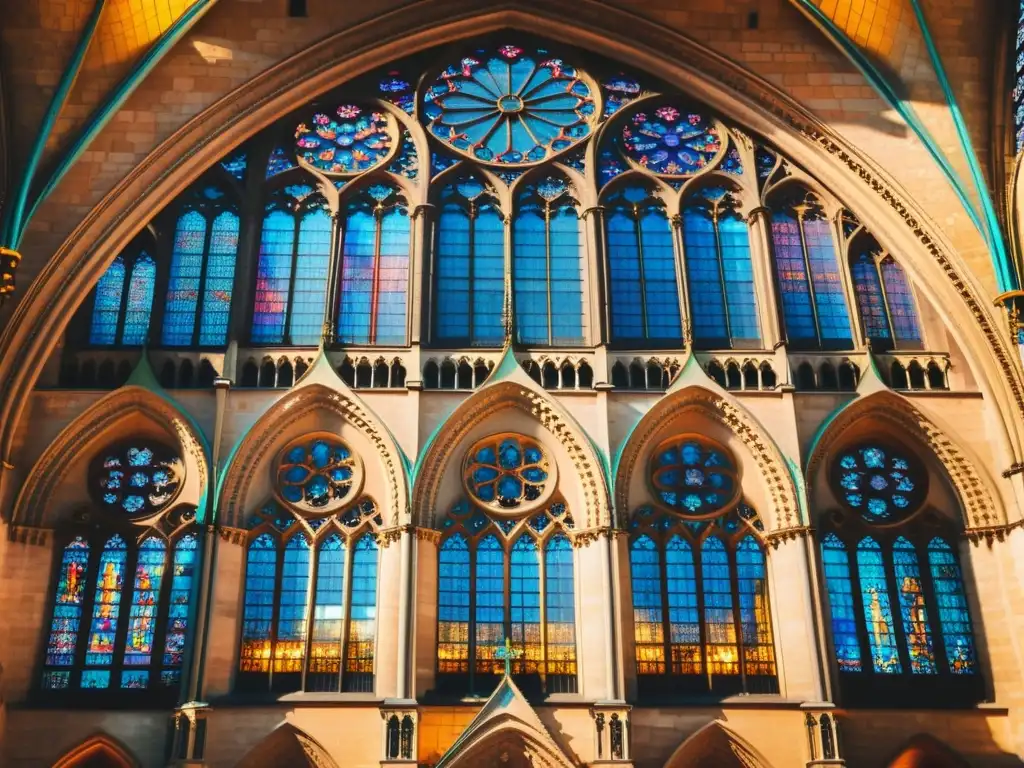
[900, 617]
[888, 312]
[123, 299]
[123, 582]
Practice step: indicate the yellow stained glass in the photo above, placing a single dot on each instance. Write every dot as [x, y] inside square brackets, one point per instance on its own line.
[129, 26]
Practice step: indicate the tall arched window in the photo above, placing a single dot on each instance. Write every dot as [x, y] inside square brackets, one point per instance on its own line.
[642, 276]
[202, 272]
[547, 265]
[810, 284]
[900, 620]
[884, 298]
[123, 301]
[701, 613]
[291, 272]
[120, 610]
[301, 575]
[719, 274]
[504, 579]
[469, 277]
[373, 295]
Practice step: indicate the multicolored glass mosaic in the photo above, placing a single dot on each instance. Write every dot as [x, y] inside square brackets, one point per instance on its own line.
[881, 485]
[136, 480]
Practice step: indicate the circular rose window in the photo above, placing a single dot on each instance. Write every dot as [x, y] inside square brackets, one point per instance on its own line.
[510, 106]
[318, 474]
[345, 140]
[137, 479]
[693, 477]
[666, 141]
[509, 473]
[880, 485]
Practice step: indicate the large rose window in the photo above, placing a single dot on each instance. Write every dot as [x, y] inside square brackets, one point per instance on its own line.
[509, 473]
[693, 477]
[136, 479]
[317, 474]
[345, 140]
[878, 484]
[510, 106]
[668, 141]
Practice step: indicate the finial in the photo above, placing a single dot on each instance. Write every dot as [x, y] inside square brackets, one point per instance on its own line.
[687, 334]
[507, 654]
[506, 313]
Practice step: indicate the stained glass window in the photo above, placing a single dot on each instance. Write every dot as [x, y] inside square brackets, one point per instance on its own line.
[881, 485]
[900, 302]
[374, 269]
[363, 616]
[874, 589]
[951, 602]
[62, 643]
[182, 575]
[139, 302]
[99, 651]
[642, 270]
[489, 620]
[914, 613]
[328, 608]
[142, 615]
[507, 472]
[470, 267]
[693, 477]
[107, 304]
[292, 606]
[836, 564]
[547, 265]
[700, 601]
[666, 141]
[453, 606]
[1018, 84]
[258, 611]
[136, 480]
[524, 604]
[344, 140]
[202, 272]
[813, 301]
[720, 277]
[560, 606]
[315, 475]
[122, 301]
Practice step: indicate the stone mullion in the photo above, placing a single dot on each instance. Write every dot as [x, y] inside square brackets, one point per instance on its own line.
[599, 331]
[247, 257]
[421, 270]
[765, 279]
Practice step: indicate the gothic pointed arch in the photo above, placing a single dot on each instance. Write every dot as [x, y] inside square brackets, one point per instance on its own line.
[133, 408]
[510, 388]
[925, 751]
[287, 745]
[716, 744]
[245, 482]
[771, 486]
[98, 751]
[979, 502]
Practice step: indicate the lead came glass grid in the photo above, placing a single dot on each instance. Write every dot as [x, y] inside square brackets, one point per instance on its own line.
[62, 643]
[490, 604]
[719, 617]
[645, 574]
[183, 285]
[683, 615]
[530, 275]
[142, 615]
[182, 575]
[357, 267]
[309, 293]
[560, 607]
[755, 623]
[452, 307]
[362, 616]
[902, 309]
[627, 309]
[524, 603]
[836, 564]
[794, 284]
[220, 278]
[870, 301]
[954, 618]
[488, 268]
[273, 277]
[293, 606]
[258, 612]
[107, 304]
[734, 235]
[659, 276]
[99, 651]
[833, 319]
[913, 611]
[567, 305]
[393, 278]
[328, 607]
[453, 594]
[140, 301]
[704, 280]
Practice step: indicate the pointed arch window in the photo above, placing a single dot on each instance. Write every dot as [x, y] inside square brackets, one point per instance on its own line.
[469, 277]
[899, 614]
[202, 272]
[309, 609]
[885, 300]
[123, 301]
[807, 270]
[291, 271]
[642, 275]
[547, 265]
[700, 605]
[719, 273]
[374, 273]
[499, 579]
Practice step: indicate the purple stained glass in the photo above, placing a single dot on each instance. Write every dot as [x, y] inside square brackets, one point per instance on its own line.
[870, 300]
[509, 106]
[273, 278]
[348, 139]
[836, 564]
[666, 141]
[107, 304]
[900, 300]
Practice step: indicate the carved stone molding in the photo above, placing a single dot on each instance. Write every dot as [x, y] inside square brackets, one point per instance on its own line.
[34, 536]
[230, 535]
[770, 465]
[777, 538]
[992, 534]
[976, 496]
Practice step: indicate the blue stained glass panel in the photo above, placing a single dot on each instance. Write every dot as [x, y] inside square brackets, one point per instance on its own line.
[293, 606]
[258, 611]
[219, 281]
[954, 618]
[709, 321]
[454, 276]
[99, 651]
[794, 282]
[560, 606]
[107, 304]
[913, 611]
[357, 271]
[135, 679]
[182, 574]
[530, 273]
[393, 277]
[67, 612]
[273, 278]
[719, 616]
[683, 614]
[453, 605]
[142, 616]
[524, 605]
[363, 613]
[833, 318]
[183, 283]
[902, 309]
[870, 301]
[627, 307]
[648, 615]
[328, 607]
[874, 591]
[734, 238]
[137, 310]
[567, 304]
[310, 290]
[489, 624]
[488, 269]
[836, 565]
[659, 276]
[755, 622]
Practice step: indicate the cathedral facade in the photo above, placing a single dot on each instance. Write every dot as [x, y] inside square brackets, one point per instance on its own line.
[447, 385]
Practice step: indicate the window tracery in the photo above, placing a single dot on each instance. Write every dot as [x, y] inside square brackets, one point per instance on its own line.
[123, 300]
[136, 480]
[318, 474]
[884, 298]
[508, 473]
[694, 477]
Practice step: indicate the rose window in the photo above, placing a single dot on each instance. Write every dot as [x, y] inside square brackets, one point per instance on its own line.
[509, 472]
[667, 141]
[345, 141]
[137, 479]
[509, 106]
[693, 477]
[881, 486]
[317, 474]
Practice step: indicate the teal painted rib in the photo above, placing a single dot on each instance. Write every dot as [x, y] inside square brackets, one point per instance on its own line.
[117, 98]
[880, 84]
[14, 222]
[1005, 273]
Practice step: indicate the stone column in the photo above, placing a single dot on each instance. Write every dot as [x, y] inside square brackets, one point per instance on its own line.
[765, 286]
[421, 271]
[405, 619]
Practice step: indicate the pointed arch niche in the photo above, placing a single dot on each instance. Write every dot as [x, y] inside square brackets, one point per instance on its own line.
[287, 745]
[98, 751]
[716, 744]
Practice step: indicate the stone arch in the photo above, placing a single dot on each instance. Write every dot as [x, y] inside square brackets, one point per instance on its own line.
[82, 437]
[522, 394]
[98, 751]
[507, 741]
[974, 490]
[287, 745]
[320, 390]
[925, 751]
[715, 744]
[780, 491]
